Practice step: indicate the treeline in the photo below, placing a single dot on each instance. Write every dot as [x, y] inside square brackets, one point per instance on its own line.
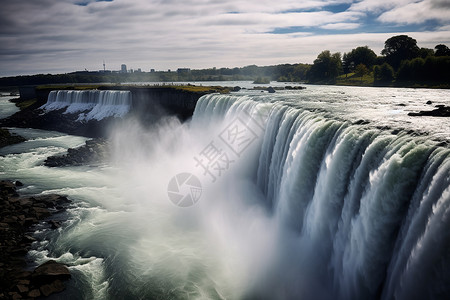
[402, 63]
[284, 72]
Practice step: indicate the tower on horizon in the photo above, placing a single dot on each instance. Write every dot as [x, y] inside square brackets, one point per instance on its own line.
[123, 68]
[104, 66]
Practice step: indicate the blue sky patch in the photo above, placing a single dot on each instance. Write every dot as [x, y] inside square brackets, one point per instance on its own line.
[86, 3]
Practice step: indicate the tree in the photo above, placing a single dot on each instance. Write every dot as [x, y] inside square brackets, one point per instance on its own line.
[361, 70]
[412, 70]
[441, 50]
[383, 73]
[326, 67]
[360, 55]
[347, 63]
[398, 48]
[425, 52]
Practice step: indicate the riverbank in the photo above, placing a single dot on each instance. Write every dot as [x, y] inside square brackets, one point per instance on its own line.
[18, 216]
[147, 103]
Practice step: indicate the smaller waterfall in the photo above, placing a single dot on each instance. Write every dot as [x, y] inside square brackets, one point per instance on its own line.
[90, 104]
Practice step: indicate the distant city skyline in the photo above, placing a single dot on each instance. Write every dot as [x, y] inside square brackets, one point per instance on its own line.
[61, 36]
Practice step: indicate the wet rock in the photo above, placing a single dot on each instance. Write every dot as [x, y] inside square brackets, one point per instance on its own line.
[16, 215]
[440, 111]
[7, 138]
[55, 287]
[289, 87]
[18, 183]
[34, 293]
[236, 89]
[48, 277]
[41, 212]
[361, 122]
[93, 152]
[54, 224]
[22, 288]
[49, 272]
[271, 89]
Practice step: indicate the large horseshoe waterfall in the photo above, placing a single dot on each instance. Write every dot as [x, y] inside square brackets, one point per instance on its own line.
[364, 210]
[325, 193]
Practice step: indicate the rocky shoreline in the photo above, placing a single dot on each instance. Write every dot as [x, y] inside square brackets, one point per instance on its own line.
[17, 216]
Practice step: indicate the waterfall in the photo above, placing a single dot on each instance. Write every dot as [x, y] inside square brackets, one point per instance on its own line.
[368, 210]
[90, 104]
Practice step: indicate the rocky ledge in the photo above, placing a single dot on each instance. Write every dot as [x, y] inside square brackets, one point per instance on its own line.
[6, 138]
[93, 152]
[440, 111]
[17, 215]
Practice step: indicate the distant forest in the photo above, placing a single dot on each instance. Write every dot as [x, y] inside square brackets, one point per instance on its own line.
[401, 63]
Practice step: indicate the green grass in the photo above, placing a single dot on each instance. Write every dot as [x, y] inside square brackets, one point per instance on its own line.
[24, 104]
[68, 87]
[352, 79]
[187, 88]
[201, 89]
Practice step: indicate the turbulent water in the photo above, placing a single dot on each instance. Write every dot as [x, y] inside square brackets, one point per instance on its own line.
[6, 107]
[90, 104]
[295, 197]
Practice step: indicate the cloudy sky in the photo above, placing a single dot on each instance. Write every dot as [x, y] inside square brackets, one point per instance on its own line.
[57, 36]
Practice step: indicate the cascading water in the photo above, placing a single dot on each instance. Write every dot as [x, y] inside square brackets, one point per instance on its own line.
[91, 104]
[294, 204]
[365, 209]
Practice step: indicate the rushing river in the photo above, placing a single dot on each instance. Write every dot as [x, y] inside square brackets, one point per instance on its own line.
[324, 193]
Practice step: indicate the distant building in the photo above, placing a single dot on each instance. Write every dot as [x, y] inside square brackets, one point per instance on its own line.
[123, 68]
[139, 70]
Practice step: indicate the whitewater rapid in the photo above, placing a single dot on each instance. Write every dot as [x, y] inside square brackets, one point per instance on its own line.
[295, 203]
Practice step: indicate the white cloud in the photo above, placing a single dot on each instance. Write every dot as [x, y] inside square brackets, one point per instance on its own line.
[406, 11]
[444, 28]
[416, 13]
[58, 36]
[340, 26]
[378, 6]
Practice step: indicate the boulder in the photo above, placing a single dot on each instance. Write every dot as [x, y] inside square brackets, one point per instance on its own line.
[440, 111]
[34, 293]
[55, 287]
[271, 89]
[49, 272]
[22, 288]
[18, 183]
[54, 224]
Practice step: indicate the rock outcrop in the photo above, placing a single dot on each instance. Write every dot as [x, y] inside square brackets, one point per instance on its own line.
[93, 152]
[6, 138]
[440, 111]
